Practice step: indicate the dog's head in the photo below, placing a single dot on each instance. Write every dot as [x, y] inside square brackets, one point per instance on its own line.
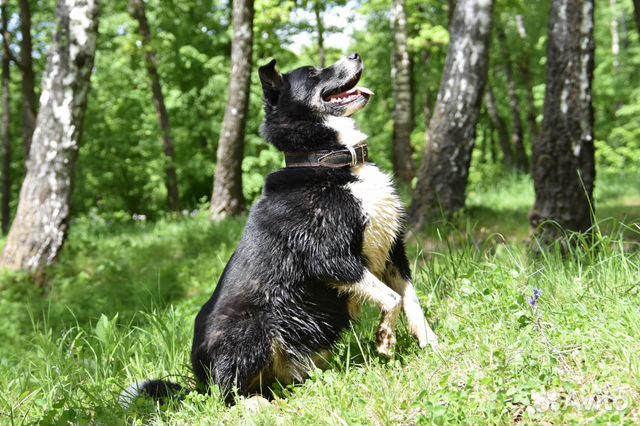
[303, 100]
[311, 92]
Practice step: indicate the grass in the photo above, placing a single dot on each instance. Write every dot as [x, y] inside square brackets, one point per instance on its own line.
[120, 305]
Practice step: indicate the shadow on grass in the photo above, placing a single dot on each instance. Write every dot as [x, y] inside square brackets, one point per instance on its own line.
[478, 223]
[121, 269]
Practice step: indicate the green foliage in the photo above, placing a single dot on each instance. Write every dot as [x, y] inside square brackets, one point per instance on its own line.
[120, 305]
[617, 91]
[121, 165]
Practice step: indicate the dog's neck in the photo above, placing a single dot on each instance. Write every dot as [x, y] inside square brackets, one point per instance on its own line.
[330, 133]
[345, 127]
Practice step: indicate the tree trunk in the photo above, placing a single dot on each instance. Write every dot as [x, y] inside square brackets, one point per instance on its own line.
[444, 171]
[485, 144]
[227, 198]
[636, 13]
[40, 226]
[624, 29]
[426, 110]
[320, 27]
[524, 67]
[517, 134]
[500, 126]
[564, 167]
[6, 118]
[451, 7]
[492, 144]
[403, 166]
[137, 10]
[615, 36]
[29, 102]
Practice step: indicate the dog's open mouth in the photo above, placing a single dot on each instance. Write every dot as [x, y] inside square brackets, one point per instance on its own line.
[348, 93]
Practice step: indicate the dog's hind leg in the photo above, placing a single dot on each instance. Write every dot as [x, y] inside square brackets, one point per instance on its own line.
[370, 289]
[398, 277]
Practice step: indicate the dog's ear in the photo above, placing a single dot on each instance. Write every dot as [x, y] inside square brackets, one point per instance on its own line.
[271, 81]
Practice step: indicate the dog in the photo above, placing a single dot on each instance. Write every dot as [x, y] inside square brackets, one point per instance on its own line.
[326, 236]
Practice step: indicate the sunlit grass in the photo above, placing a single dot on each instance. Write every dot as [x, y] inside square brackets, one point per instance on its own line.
[120, 307]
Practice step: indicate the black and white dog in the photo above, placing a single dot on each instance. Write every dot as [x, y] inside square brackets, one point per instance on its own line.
[326, 236]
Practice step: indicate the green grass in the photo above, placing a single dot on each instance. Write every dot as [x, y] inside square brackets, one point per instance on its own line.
[120, 306]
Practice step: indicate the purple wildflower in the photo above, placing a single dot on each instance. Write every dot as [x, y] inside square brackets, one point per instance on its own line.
[536, 295]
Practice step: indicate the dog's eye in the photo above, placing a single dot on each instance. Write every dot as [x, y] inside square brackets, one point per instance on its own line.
[314, 73]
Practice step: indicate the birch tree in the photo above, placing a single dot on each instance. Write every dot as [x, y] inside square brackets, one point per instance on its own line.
[29, 100]
[563, 157]
[517, 132]
[636, 13]
[615, 35]
[227, 198]
[524, 68]
[137, 10]
[6, 117]
[41, 223]
[317, 10]
[403, 166]
[444, 170]
[500, 125]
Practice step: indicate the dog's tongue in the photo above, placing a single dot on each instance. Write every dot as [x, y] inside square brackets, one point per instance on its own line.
[364, 90]
[347, 96]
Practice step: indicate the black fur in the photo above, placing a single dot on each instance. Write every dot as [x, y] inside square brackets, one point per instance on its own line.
[276, 305]
[275, 285]
[294, 105]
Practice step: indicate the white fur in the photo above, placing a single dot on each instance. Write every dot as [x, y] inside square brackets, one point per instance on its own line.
[383, 212]
[371, 290]
[380, 204]
[412, 309]
[129, 395]
[348, 134]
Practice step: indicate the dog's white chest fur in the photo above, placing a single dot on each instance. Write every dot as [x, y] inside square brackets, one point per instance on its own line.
[374, 189]
[382, 210]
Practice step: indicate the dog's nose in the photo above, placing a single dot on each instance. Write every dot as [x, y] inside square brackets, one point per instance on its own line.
[354, 56]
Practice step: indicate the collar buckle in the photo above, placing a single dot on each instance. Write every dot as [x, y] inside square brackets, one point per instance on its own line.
[354, 156]
[349, 156]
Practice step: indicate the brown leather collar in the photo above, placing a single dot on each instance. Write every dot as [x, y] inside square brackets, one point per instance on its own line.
[348, 157]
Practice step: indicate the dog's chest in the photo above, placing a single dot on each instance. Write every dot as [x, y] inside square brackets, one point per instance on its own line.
[383, 212]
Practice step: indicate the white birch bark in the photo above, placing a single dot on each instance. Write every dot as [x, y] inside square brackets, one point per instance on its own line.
[40, 227]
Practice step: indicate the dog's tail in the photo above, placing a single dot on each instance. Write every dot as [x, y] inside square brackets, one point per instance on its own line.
[156, 389]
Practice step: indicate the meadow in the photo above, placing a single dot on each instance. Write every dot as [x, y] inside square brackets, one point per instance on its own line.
[526, 338]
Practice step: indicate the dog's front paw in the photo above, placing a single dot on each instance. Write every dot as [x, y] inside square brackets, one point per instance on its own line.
[385, 340]
[432, 339]
[426, 337]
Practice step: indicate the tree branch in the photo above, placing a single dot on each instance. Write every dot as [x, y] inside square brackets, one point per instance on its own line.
[12, 56]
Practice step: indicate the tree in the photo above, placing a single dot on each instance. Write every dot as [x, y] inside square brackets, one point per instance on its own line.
[137, 10]
[321, 29]
[29, 101]
[517, 133]
[6, 117]
[524, 68]
[40, 226]
[444, 170]
[501, 127]
[636, 13]
[317, 10]
[615, 36]
[563, 157]
[451, 7]
[403, 165]
[227, 198]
